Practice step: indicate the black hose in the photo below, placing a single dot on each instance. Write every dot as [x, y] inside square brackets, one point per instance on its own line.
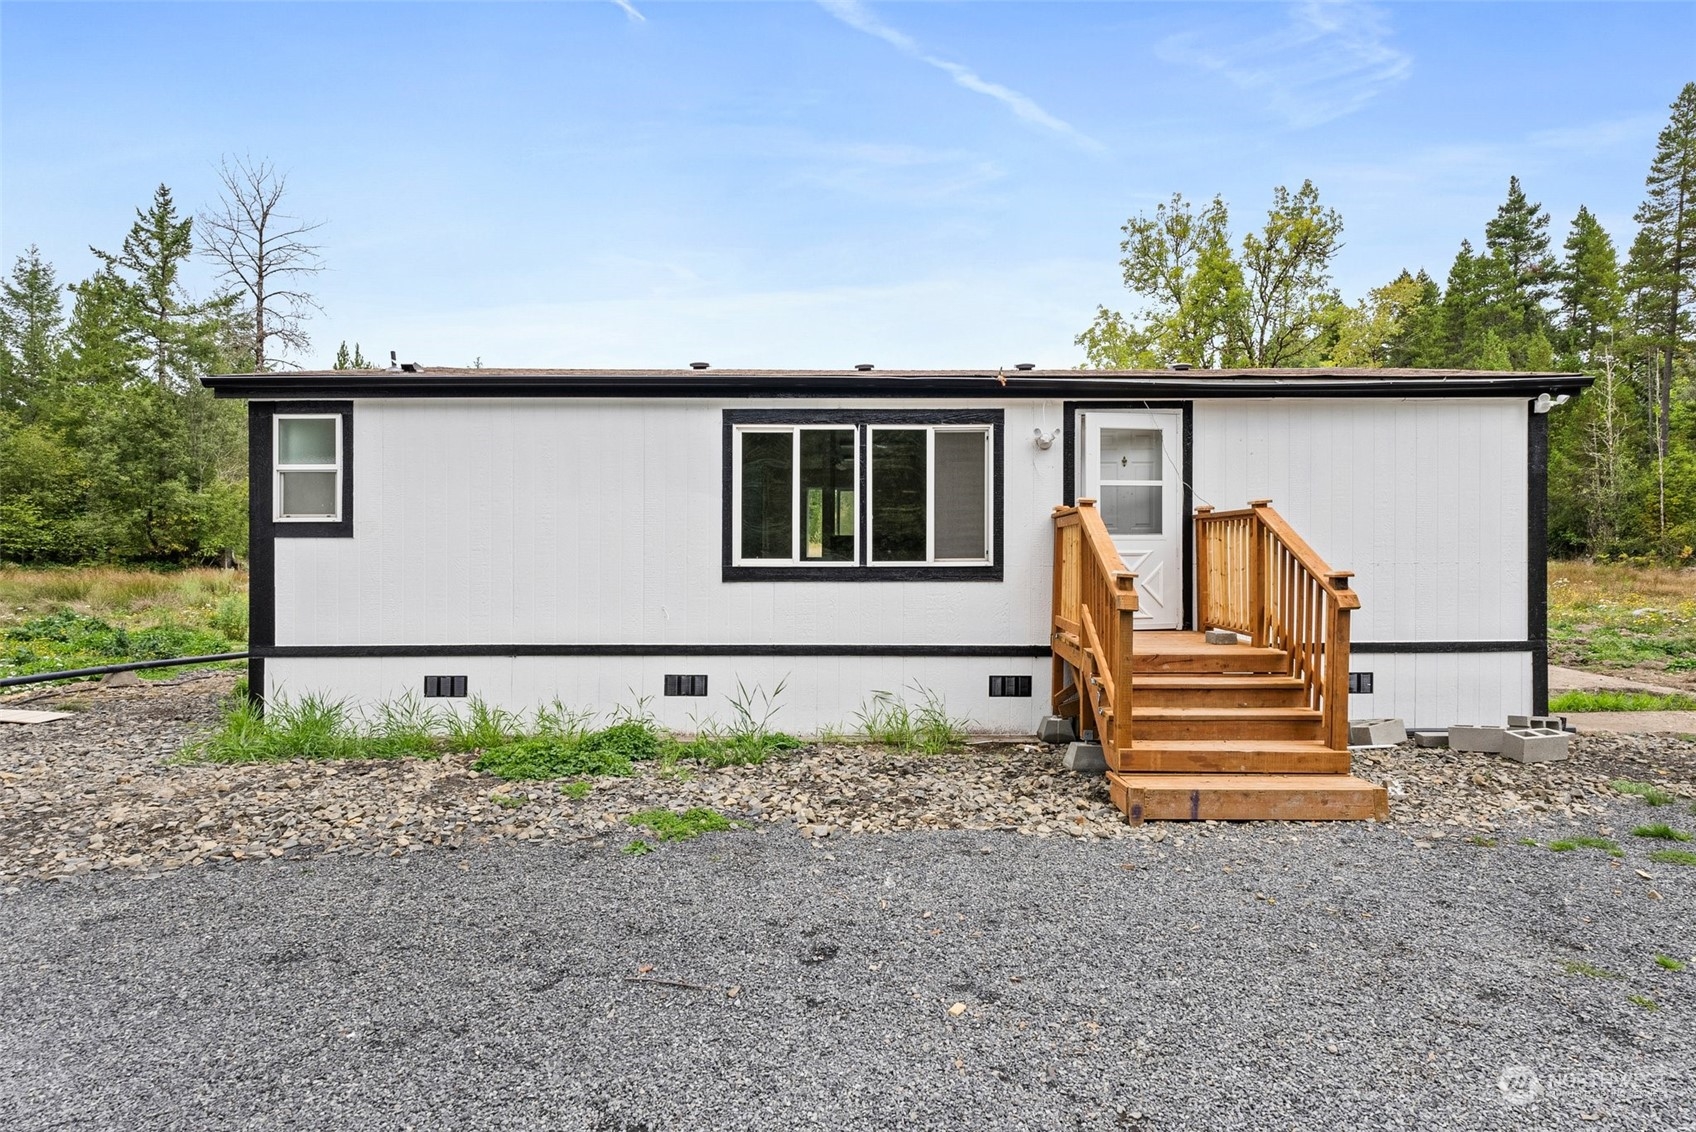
[178, 662]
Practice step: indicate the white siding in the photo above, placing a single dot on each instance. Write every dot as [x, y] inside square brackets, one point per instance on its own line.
[1424, 500]
[598, 522]
[819, 692]
[1437, 690]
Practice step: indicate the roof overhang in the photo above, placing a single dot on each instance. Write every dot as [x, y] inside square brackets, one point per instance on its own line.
[1069, 384]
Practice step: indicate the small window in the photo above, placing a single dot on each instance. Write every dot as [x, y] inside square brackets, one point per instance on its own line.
[309, 469]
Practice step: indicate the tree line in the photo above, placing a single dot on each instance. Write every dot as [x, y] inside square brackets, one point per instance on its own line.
[1622, 465]
[112, 451]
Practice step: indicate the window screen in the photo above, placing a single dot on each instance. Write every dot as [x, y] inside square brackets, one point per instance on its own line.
[962, 495]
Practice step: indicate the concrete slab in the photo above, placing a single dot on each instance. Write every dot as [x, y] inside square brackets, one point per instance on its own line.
[23, 715]
[1633, 722]
[1480, 738]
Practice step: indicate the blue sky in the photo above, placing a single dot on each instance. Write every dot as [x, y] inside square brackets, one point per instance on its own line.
[809, 184]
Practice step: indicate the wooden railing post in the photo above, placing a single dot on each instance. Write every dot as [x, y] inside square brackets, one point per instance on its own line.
[1203, 583]
[1336, 703]
[1257, 573]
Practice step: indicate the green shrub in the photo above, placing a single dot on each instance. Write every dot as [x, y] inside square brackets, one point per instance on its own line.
[669, 826]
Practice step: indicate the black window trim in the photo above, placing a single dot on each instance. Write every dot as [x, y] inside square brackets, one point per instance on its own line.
[263, 470]
[862, 571]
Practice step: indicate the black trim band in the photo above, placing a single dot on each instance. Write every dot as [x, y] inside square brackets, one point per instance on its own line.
[290, 651]
[1537, 555]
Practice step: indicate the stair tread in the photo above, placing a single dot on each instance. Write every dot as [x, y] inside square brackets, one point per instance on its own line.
[1227, 711]
[1281, 746]
[1160, 780]
[1222, 680]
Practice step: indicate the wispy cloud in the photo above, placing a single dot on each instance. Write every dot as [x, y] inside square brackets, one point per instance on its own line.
[857, 16]
[1331, 59]
[630, 10]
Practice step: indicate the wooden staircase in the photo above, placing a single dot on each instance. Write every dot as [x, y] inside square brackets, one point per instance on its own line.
[1191, 730]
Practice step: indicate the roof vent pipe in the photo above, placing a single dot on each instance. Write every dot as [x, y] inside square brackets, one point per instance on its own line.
[394, 365]
[697, 365]
[864, 367]
[1179, 366]
[1024, 365]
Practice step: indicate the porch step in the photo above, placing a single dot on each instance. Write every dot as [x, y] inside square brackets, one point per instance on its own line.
[1211, 722]
[1246, 797]
[1229, 756]
[1199, 689]
[1187, 656]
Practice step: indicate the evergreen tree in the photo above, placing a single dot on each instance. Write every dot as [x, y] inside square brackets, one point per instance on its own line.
[32, 319]
[1460, 337]
[1524, 269]
[1591, 300]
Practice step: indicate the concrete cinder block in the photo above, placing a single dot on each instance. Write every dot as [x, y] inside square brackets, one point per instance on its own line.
[1535, 745]
[1546, 722]
[1481, 738]
[1376, 732]
[1085, 758]
[1430, 739]
[1055, 729]
[1221, 637]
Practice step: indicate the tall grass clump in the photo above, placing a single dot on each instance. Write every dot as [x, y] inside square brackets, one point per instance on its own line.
[748, 739]
[481, 728]
[311, 727]
[925, 727]
[1622, 701]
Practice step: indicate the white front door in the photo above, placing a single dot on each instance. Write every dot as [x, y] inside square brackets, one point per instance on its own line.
[1131, 462]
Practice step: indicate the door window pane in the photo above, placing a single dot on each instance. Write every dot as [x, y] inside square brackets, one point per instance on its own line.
[309, 495]
[898, 495]
[827, 494]
[960, 495]
[306, 440]
[768, 495]
[1130, 454]
[1131, 510]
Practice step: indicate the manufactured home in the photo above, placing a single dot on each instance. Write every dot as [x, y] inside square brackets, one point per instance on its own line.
[1019, 543]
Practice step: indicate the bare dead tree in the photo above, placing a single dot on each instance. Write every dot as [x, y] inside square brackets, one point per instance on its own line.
[265, 252]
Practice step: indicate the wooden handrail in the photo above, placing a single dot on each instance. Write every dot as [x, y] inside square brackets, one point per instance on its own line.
[1095, 603]
[1256, 576]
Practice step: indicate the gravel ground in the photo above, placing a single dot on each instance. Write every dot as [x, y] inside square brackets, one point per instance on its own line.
[378, 945]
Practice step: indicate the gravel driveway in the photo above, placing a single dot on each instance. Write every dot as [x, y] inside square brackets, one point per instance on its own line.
[1253, 977]
[380, 946]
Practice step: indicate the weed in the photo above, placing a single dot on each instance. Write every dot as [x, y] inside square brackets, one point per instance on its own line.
[1529, 842]
[937, 731]
[887, 721]
[833, 734]
[747, 740]
[1621, 701]
[1643, 1000]
[578, 789]
[1673, 857]
[671, 826]
[1580, 967]
[401, 727]
[1648, 791]
[638, 848]
[1619, 614]
[928, 728]
[312, 727]
[1484, 842]
[1662, 831]
[509, 801]
[1600, 843]
[483, 728]
[550, 756]
[1669, 962]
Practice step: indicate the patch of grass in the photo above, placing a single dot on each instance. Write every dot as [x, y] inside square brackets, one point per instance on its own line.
[1566, 845]
[483, 727]
[638, 848]
[1530, 843]
[1621, 701]
[1673, 857]
[577, 790]
[669, 826]
[397, 728]
[1643, 1000]
[566, 752]
[509, 801]
[1648, 791]
[1619, 614]
[747, 740]
[1669, 963]
[1580, 967]
[312, 727]
[927, 727]
[1483, 842]
[1663, 831]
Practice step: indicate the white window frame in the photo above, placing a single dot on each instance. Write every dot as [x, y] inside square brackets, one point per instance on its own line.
[930, 431]
[278, 468]
[797, 523]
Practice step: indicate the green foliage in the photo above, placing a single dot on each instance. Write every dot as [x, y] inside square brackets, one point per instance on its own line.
[1589, 970]
[1667, 962]
[926, 727]
[1673, 857]
[482, 728]
[1622, 701]
[561, 745]
[576, 790]
[1648, 791]
[67, 640]
[1643, 1000]
[1662, 831]
[637, 848]
[509, 801]
[748, 740]
[1601, 844]
[312, 727]
[670, 826]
